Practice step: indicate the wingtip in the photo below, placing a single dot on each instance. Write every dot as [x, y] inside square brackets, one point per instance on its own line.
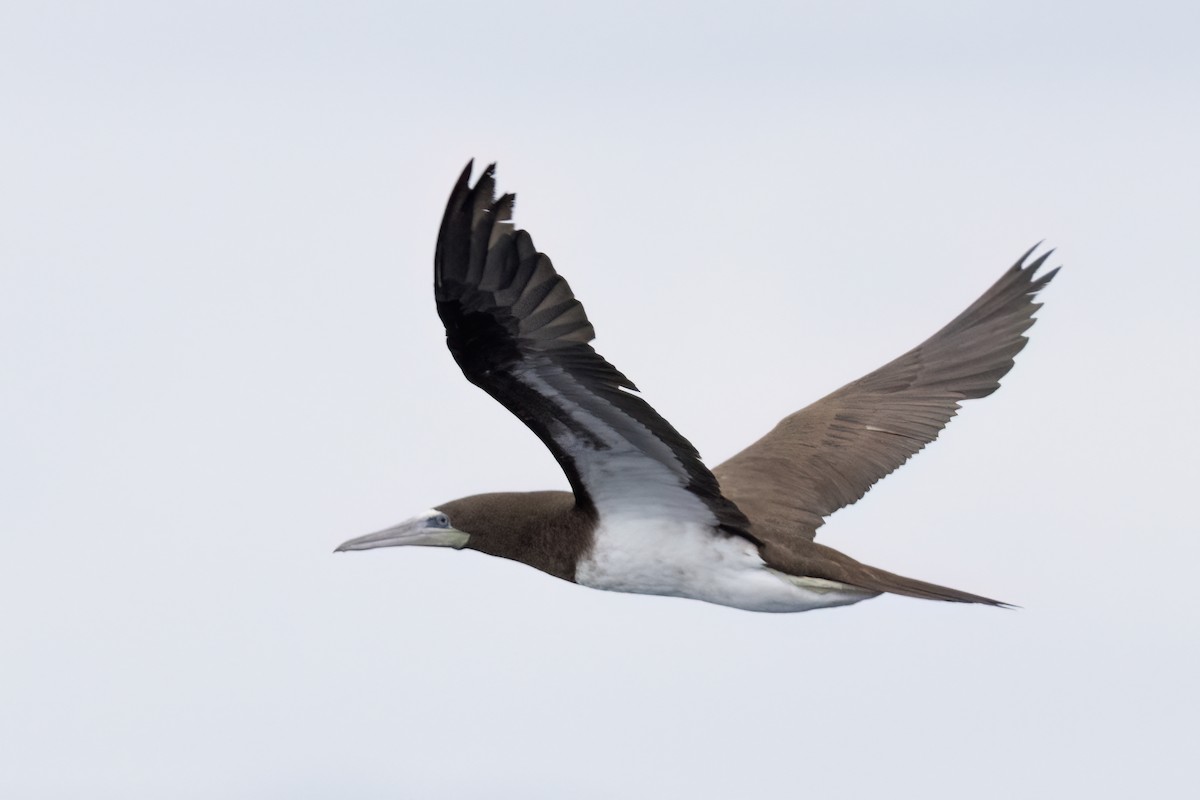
[1031, 268]
[488, 174]
[1024, 263]
[464, 177]
[1025, 256]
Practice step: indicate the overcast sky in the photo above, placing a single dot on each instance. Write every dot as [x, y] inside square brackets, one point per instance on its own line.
[220, 358]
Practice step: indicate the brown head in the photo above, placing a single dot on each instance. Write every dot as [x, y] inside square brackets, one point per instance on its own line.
[542, 529]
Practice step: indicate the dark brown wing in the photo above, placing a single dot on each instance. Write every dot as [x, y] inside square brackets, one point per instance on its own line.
[518, 333]
[829, 454]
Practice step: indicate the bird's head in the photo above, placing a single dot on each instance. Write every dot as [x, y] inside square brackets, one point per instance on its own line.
[543, 529]
[432, 528]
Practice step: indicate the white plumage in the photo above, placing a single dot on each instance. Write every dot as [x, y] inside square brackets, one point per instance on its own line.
[646, 555]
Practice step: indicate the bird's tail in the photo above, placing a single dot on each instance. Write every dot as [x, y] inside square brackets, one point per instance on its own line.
[820, 561]
[879, 580]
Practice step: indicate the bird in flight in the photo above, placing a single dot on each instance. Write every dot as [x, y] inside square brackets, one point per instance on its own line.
[644, 513]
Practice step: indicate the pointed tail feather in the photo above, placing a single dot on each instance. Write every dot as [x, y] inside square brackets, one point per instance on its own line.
[882, 581]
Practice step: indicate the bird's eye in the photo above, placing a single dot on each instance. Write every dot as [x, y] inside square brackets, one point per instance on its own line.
[442, 521]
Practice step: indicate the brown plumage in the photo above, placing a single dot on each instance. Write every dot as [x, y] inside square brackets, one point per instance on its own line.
[829, 454]
[644, 513]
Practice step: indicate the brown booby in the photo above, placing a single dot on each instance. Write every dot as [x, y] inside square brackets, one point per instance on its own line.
[644, 514]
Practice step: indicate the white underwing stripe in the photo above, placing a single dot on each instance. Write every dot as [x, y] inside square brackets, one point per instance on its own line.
[636, 473]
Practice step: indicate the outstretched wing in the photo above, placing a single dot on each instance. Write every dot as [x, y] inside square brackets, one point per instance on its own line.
[518, 333]
[830, 453]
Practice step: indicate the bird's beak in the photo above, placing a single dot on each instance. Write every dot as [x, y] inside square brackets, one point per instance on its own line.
[410, 532]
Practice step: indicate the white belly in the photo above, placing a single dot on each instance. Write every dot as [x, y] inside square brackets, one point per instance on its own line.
[687, 559]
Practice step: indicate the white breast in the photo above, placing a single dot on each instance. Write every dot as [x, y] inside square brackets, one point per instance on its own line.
[687, 559]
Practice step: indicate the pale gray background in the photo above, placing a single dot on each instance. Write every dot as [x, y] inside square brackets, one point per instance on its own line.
[220, 359]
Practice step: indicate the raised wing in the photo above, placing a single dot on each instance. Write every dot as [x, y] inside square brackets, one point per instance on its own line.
[518, 333]
[829, 454]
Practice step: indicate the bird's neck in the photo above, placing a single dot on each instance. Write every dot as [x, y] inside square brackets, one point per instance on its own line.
[545, 530]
